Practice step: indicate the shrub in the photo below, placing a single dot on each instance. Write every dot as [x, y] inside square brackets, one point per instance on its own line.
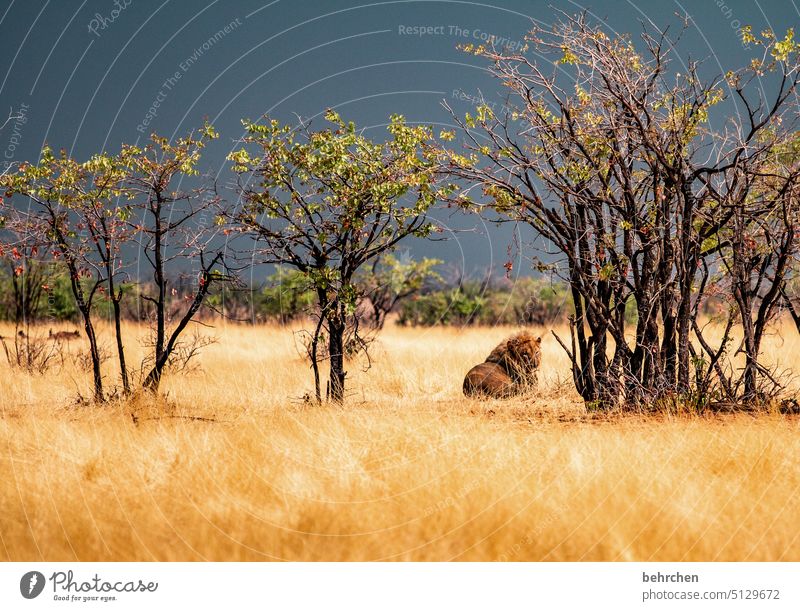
[527, 301]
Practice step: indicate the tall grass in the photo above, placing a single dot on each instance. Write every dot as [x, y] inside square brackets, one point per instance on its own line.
[233, 464]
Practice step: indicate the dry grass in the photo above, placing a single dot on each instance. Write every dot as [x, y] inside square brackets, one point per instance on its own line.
[408, 470]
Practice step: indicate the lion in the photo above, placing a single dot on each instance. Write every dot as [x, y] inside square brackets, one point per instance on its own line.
[509, 370]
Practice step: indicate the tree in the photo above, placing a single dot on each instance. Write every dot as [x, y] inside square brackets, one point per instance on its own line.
[105, 216]
[612, 159]
[58, 192]
[172, 231]
[790, 157]
[757, 248]
[328, 202]
[391, 280]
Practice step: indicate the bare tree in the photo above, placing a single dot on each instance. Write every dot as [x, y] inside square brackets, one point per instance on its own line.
[608, 152]
[172, 228]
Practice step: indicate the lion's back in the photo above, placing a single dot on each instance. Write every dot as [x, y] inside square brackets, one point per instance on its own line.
[488, 379]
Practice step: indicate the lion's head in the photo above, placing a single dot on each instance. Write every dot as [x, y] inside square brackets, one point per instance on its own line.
[520, 355]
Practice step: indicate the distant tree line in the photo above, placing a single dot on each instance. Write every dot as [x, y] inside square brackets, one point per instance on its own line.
[413, 291]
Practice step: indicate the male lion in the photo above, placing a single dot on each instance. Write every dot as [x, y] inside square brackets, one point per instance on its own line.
[508, 370]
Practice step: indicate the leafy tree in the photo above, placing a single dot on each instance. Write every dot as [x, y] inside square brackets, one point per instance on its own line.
[328, 202]
[60, 195]
[104, 218]
[170, 226]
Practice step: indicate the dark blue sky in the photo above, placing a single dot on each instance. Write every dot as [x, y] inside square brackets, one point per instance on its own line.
[86, 73]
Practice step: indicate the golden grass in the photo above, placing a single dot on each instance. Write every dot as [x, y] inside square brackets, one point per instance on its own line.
[408, 470]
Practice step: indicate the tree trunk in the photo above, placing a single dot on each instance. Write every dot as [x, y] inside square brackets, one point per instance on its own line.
[314, 358]
[669, 351]
[684, 327]
[336, 329]
[85, 308]
[161, 283]
[378, 317]
[687, 273]
[95, 355]
[115, 301]
[743, 298]
[123, 370]
[153, 378]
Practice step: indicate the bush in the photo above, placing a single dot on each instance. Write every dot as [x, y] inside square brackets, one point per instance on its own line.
[527, 301]
[286, 296]
[40, 292]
